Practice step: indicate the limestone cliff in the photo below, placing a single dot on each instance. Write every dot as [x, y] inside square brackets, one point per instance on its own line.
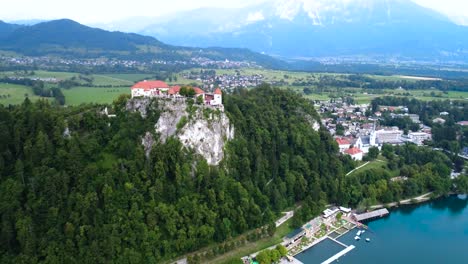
[201, 128]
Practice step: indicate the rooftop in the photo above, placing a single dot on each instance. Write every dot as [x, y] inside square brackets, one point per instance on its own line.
[342, 141]
[150, 85]
[353, 151]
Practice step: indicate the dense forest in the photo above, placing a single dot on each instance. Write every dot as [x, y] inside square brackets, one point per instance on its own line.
[76, 186]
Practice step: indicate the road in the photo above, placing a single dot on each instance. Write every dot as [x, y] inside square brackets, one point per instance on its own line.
[285, 218]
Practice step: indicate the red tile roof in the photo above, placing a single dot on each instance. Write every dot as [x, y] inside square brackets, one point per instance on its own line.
[198, 90]
[353, 151]
[218, 91]
[342, 141]
[174, 90]
[150, 85]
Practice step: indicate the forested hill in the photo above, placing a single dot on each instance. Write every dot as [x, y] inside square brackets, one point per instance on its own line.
[76, 186]
[92, 196]
[68, 38]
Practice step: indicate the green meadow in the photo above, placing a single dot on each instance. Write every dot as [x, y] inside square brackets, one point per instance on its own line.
[80, 95]
[107, 87]
[15, 94]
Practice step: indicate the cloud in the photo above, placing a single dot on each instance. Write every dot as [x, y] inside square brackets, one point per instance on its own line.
[255, 17]
[288, 9]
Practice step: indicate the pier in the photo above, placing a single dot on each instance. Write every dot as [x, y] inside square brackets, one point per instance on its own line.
[370, 215]
[339, 255]
[338, 242]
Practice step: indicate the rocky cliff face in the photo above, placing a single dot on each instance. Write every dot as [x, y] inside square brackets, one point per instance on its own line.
[203, 129]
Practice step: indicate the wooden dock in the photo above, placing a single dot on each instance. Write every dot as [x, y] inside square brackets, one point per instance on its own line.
[370, 215]
[339, 255]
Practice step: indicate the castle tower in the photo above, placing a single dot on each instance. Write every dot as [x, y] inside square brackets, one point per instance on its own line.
[218, 97]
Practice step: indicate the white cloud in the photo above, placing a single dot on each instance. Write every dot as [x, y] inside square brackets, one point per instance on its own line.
[288, 9]
[255, 16]
[92, 11]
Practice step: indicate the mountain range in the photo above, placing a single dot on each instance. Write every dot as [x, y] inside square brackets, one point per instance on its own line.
[68, 38]
[315, 28]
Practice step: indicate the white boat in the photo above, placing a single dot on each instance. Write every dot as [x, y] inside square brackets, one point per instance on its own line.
[367, 239]
[362, 231]
[358, 233]
[357, 237]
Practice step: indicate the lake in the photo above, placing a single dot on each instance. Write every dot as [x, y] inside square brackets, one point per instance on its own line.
[433, 232]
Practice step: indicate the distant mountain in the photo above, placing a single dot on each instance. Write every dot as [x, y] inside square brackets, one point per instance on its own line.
[320, 28]
[68, 38]
[6, 28]
[27, 22]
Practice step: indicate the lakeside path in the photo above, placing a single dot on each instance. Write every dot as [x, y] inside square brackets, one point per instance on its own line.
[418, 199]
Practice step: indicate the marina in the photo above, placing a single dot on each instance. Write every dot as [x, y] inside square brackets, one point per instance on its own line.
[327, 232]
[390, 240]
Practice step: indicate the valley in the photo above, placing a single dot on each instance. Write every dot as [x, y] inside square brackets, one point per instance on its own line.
[319, 86]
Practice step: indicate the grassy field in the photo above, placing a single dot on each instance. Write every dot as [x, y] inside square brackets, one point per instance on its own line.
[122, 83]
[375, 164]
[129, 77]
[380, 163]
[253, 247]
[359, 95]
[98, 79]
[15, 94]
[80, 95]
[101, 80]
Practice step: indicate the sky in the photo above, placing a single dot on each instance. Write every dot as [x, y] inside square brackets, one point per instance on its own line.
[104, 11]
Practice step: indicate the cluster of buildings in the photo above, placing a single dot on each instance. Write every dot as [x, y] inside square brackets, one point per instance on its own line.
[226, 82]
[47, 62]
[356, 131]
[155, 89]
[223, 64]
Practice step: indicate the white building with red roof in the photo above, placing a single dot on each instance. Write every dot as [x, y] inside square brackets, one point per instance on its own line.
[162, 89]
[355, 153]
[149, 89]
[343, 144]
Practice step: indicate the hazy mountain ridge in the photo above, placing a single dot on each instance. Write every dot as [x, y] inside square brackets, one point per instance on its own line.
[7, 28]
[66, 37]
[303, 28]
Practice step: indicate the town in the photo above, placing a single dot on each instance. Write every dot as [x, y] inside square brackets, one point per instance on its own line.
[45, 62]
[356, 128]
[227, 82]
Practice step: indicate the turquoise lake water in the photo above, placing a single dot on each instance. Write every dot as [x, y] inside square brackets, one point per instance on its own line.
[434, 232]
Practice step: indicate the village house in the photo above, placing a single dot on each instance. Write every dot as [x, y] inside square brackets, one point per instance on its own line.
[418, 138]
[154, 89]
[343, 144]
[438, 120]
[355, 153]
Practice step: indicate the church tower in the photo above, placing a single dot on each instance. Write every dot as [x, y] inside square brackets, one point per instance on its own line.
[373, 137]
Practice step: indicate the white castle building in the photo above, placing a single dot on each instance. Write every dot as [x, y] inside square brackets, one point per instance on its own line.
[162, 89]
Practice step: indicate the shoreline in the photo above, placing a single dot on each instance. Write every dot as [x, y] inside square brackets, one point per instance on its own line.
[427, 197]
[415, 200]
